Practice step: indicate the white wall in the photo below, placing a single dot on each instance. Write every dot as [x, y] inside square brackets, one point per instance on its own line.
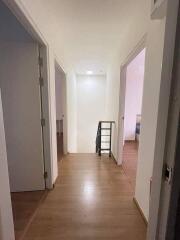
[134, 93]
[52, 96]
[150, 105]
[155, 37]
[130, 40]
[6, 218]
[91, 97]
[72, 112]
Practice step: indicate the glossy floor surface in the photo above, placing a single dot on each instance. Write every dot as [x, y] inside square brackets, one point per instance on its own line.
[92, 200]
[60, 146]
[130, 161]
[24, 206]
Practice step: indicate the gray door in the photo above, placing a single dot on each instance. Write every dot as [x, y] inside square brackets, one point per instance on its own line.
[171, 173]
[19, 82]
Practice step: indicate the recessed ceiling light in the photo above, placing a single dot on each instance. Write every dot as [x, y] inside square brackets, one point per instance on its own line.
[89, 72]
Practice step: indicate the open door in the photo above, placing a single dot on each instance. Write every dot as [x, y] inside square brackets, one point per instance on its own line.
[165, 185]
[21, 102]
[170, 190]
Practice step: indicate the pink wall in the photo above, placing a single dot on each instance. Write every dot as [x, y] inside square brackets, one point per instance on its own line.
[134, 92]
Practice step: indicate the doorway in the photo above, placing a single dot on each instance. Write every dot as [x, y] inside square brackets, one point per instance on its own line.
[61, 117]
[133, 81]
[169, 201]
[23, 114]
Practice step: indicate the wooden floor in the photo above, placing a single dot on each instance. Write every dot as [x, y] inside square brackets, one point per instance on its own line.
[24, 206]
[92, 200]
[130, 160]
[60, 146]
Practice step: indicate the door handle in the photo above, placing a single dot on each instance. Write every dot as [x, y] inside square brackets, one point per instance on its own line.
[168, 174]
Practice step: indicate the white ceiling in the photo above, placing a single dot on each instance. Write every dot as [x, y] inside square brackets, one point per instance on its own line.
[85, 34]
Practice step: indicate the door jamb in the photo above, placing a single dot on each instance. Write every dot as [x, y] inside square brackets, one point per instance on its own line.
[64, 107]
[168, 201]
[162, 118]
[139, 47]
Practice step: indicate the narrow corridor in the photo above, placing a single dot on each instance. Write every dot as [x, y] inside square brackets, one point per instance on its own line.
[92, 200]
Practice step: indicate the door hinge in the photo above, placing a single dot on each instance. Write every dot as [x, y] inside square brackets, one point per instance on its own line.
[168, 173]
[40, 60]
[45, 175]
[43, 122]
[41, 81]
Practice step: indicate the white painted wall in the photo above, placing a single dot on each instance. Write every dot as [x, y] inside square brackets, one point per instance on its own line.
[91, 98]
[150, 105]
[130, 40]
[134, 93]
[6, 218]
[72, 112]
[155, 37]
[52, 96]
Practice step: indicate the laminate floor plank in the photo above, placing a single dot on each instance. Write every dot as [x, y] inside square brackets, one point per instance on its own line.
[92, 200]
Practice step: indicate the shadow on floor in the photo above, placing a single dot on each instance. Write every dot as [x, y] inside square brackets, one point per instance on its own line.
[24, 206]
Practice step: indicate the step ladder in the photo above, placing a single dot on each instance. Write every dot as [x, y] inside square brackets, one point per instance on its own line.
[104, 137]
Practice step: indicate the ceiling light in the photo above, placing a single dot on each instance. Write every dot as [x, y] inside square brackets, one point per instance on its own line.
[89, 72]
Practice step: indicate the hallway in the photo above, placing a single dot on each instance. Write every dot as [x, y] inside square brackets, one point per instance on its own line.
[92, 200]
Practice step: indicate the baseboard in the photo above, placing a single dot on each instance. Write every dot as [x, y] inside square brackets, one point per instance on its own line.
[130, 141]
[114, 159]
[140, 210]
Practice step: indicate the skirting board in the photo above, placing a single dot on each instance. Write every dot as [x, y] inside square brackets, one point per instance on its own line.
[140, 210]
[114, 159]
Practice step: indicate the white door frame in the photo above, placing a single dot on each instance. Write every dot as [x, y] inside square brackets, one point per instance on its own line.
[65, 120]
[25, 19]
[64, 107]
[139, 47]
[163, 109]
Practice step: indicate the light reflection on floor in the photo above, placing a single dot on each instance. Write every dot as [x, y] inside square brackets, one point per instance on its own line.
[88, 191]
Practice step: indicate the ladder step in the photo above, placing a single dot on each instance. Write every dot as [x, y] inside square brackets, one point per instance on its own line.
[105, 129]
[105, 149]
[105, 142]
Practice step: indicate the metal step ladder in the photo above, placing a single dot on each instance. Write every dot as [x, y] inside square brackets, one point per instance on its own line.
[104, 137]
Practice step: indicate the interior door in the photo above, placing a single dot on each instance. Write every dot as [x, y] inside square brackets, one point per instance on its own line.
[171, 175]
[19, 81]
[6, 217]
